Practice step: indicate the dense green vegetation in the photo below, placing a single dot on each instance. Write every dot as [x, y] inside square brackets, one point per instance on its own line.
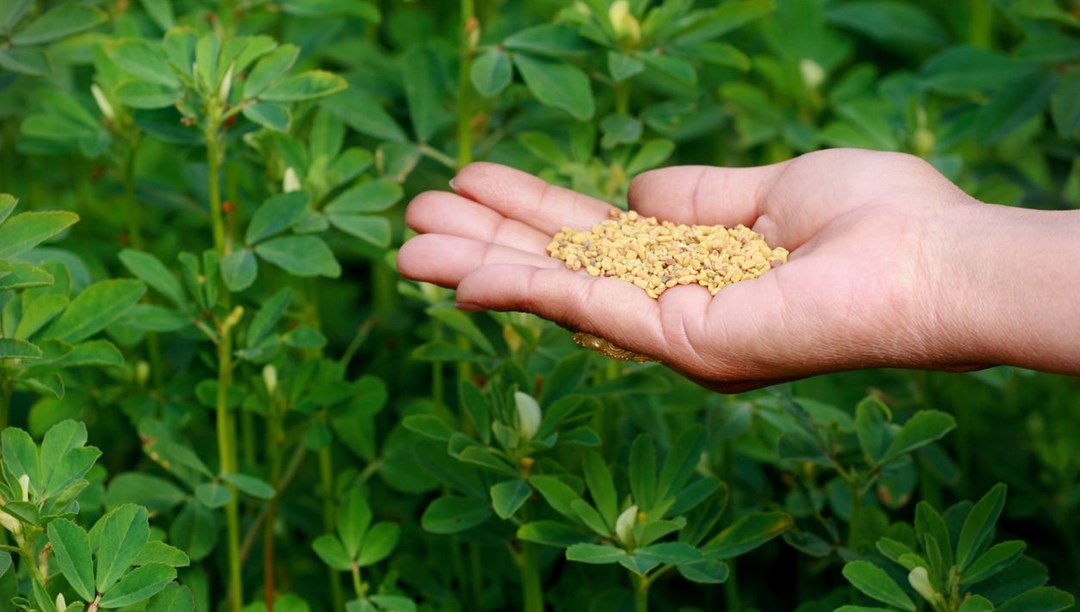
[217, 393]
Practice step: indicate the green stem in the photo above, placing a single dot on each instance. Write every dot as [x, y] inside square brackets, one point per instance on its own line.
[274, 441]
[856, 514]
[7, 387]
[226, 427]
[326, 475]
[530, 578]
[980, 23]
[464, 97]
[358, 585]
[641, 592]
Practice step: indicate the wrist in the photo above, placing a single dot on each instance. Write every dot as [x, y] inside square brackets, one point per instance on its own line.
[1014, 293]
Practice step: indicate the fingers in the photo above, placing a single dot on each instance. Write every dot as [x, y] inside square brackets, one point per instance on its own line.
[605, 307]
[440, 212]
[445, 260]
[705, 195]
[528, 199]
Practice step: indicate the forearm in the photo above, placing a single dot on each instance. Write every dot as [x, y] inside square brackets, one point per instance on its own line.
[1020, 287]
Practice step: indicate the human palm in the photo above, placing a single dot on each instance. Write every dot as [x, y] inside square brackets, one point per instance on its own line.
[862, 286]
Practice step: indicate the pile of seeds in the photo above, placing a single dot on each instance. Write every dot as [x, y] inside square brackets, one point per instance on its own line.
[657, 255]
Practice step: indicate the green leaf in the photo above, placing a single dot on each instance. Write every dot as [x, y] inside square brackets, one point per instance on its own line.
[269, 115]
[353, 520]
[11, 348]
[304, 86]
[271, 311]
[161, 11]
[151, 271]
[601, 487]
[672, 553]
[508, 496]
[12, 11]
[651, 154]
[705, 571]
[20, 459]
[723, 19]
[876, 584]
[552, 533]
[269, 69]
[364, 114]
[371, 229]
[962, 70]
[27, 61]
[213, 494]
[26, 230]
[1011, 107]
[94, 308]
[38, 310]
[979, 526]
[620, 130]
[976, 603]
[64, 20]
[207, 53]
[71, 549]
[994, 560]
[423, 91]
[464, 325]
[139, 94]
[543, 146]
[680, 462]
[1065, 105]
[173, 598]
[195, 530]
[330, 550]
[249, 485]
[300, 256]
[622, 66]
[428, 425]
[143, 60]
[324, 8]
[121, 534]
[597, 554]
[677, 68]
[550, 39]
[374, 196]
[491, 72]
[378, 543]
[276, 215]
[891, 22]
[557, 493]
[239, 269]
[592, 519]
[161, 553]
[1041, 599]
[140, 584]
[24, 276]
[149, 317]
[642, 472]
[871, 422]
[748, 533]
[453, 514]
[932, 531]
[557, 84]
[921, 429]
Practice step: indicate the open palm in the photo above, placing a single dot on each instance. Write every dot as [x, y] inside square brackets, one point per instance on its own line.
[856, 291]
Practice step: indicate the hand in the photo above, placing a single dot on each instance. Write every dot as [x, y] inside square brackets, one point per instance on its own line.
[871, 280]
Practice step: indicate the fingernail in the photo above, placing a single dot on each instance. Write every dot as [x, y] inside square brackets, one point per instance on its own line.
[452, 184]
[469, 306]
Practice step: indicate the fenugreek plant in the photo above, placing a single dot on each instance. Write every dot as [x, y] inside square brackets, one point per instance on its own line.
[272, 404]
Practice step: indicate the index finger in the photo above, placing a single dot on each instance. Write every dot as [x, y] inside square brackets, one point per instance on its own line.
[529, 199]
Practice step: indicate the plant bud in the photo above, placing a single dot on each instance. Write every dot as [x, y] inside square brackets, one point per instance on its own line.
[812, 73]
[142, 372]
[623, 22]
[24, 484]
[624, 526]
[102, 102]
[269, 374]
[920, 581]
[528, 413]
[61, 603]
[291, 182]
[10, 523]
[226, 84]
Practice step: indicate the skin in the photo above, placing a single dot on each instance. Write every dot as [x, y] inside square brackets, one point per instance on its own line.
[891, 266]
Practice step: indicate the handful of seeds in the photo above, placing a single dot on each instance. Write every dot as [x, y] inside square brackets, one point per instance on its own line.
[657, 255]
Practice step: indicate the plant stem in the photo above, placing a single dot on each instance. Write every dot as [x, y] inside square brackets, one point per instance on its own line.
[226, 429]
[641, 592]
[856, 513]
[731, 585]
[530, 578]
[274, 442]
[7, 387]
[622, 98]
[464, 96]
[326, 475]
